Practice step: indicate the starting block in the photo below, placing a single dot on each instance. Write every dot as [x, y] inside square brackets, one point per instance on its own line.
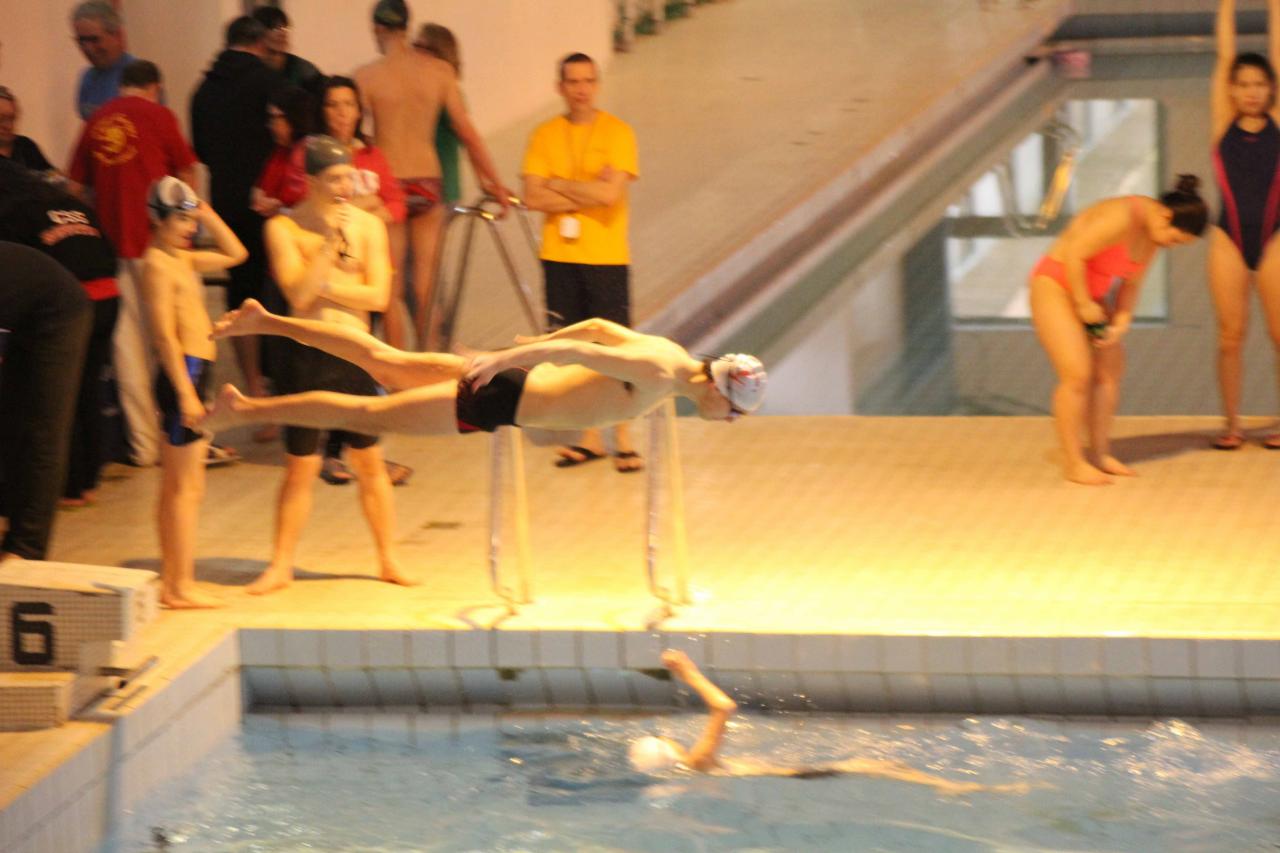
[68, 633]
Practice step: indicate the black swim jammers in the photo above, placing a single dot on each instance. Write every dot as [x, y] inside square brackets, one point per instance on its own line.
[494, 405]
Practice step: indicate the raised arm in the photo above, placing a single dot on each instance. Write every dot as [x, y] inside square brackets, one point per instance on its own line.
[392, 368]
[230, 251]
[702, 755]
[477, 151]
[1221, 111]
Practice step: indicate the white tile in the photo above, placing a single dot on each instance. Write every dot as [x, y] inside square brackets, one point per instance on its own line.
[301, 648]
[642, 649]
[1263, 697]
[861, 654]
[1128, 696]
[996, 694]
[780, 691]
[559, 649]
[1083, 695]
[903, 654]
[946, 655]
[651, 692]
[742, 685]
[266, 685]
[1124, 656]
[1221, 697]
[473, 649]
[694, 645]
[441, 688]
[1080, 656]
[601, 649]
[1170, 658]
[394, 686]
[909, 692]
[1217, 658]
[568, 688]
[775, 652]
[1260, 658]
[387, 648]
[609, 688]
[352, 687]
[824, 690]
[1174, 696]
[515, 648]
[1034, 656]
[817, 653]
[343, 649]
[731, 651]
[259, 646]
[1040, 694]
[482, 687]
[308, 687]
[953, 693]
[868, 693]
[431, 648]
[527, 689]
[991, 655]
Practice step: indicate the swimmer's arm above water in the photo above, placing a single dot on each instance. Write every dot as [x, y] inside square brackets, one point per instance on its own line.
[702, 755]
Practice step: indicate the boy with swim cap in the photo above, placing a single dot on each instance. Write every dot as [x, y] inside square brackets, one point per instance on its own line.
[173, 294]
[332, 263]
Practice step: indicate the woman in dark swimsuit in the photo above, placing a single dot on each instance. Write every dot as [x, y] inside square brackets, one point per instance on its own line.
[1246, 155]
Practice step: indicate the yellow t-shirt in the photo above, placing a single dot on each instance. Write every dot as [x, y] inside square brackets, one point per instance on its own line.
[560, 149]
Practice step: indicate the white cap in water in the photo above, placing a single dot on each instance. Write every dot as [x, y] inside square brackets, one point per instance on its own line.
[653, 754]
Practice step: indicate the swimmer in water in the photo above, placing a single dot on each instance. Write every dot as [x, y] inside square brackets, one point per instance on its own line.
[656, 754]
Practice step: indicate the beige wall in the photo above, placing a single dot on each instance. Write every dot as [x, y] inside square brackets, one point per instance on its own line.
[509, 49]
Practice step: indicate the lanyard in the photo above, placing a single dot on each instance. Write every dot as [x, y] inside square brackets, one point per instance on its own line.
[578, 163]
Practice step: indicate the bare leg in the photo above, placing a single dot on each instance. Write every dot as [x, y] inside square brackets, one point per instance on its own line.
[1229, 286]
[177, 518]
[1065, 340]
[424, 231]
[429, 410]
[905, 773]
[1269, 292]
[396, 318]
[1108, 364]
[591, 440]
[622, 445]
[293, 507]
[379, 508]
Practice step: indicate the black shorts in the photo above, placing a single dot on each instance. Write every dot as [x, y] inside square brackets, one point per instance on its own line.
[577, 292]
[200, 372]
[306, 368]
[491, 406]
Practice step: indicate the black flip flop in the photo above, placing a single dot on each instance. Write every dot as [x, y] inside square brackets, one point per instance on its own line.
[627, 454]
[587, 456]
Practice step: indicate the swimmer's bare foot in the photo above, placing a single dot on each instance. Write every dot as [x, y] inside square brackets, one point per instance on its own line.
[273, 579]
[1112, 465]
[245, 320]
[391, 573]
[189, 597]
[227, 410]
[1086, 475]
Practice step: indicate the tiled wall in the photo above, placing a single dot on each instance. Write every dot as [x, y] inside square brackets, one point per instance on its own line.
[570, 669]
[160, 734]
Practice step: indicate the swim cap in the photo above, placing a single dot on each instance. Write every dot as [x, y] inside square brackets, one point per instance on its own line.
[741, 379]
[391, 13]
[653, 754]
[325, 151]
[168, 195]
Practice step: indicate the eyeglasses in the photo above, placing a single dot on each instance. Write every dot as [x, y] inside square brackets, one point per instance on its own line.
[86, 39]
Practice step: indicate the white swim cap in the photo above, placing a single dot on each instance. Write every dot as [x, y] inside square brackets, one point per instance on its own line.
[653, 754]
[741, 379]
[170, 194]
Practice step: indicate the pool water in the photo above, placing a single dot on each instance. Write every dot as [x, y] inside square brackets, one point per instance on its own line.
[397, 782]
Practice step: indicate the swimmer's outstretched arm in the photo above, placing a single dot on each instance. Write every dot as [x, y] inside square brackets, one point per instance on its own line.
[594, 330]
[702, 755]
[629, 364]
[392, 368]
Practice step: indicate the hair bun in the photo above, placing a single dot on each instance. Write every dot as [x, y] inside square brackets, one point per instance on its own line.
[1188, 184]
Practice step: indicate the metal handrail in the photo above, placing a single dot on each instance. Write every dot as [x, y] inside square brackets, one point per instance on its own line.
[442, 314]
[1021, 225]
[506, 442]
[666, 479]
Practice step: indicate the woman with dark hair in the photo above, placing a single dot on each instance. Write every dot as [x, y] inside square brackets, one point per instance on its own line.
[1246, 157]
[290, 117]
[1083, 293]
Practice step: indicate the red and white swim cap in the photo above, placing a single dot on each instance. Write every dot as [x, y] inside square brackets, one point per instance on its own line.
[741, 379]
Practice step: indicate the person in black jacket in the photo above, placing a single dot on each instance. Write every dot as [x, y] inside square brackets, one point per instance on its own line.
[229, 129]
[45, 320]
[41, 215]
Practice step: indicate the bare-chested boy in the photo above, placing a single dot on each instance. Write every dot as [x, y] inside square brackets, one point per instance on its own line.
[173, 294]
[404, 93]
[657, 754]
[331, 262]
[590, 374]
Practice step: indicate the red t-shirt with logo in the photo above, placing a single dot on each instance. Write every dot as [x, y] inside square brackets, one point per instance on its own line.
[128, 144]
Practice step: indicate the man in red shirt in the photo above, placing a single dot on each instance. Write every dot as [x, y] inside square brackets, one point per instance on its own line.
[129, 143]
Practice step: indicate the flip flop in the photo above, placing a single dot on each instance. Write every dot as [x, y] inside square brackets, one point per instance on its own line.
[219, 455]
[399, 474]
[1272, 442]
[586, 454]
[627, 454]
[1232, 440]
[335, 472]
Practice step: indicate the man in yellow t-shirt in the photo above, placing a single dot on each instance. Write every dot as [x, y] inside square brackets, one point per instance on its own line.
[576, 171]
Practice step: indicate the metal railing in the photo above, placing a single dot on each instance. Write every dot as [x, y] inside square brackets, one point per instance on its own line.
[447, 298]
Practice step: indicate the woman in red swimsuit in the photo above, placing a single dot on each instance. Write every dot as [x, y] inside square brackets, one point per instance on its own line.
[1246, 159]
[1082, 297]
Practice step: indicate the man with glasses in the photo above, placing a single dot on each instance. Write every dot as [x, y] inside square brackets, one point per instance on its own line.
[293, 68]
[99, 31]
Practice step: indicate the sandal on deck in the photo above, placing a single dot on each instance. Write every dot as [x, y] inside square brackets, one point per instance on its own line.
[570, 462]
[626, 456]
[219, 455]
[334, 471]
[399, 474]
[1272, 441]
[1230, 440]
